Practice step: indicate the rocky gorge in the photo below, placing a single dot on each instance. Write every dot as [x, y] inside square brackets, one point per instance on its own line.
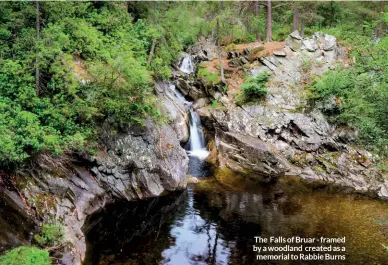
[279, 137]
[284, 135]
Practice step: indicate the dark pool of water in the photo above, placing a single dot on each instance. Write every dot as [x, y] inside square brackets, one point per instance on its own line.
[216, 221]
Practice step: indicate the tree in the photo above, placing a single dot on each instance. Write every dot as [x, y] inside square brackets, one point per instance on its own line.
[219, 53]
[268, 36]
[37, 73]
[296, 19]
[257, 14]
[379, 27]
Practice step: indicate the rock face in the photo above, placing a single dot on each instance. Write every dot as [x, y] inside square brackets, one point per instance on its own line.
[249, 155]
[174, 109]
[141, 162]
[303, 142]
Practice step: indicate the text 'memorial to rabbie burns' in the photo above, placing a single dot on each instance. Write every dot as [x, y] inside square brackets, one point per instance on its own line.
[300, 248]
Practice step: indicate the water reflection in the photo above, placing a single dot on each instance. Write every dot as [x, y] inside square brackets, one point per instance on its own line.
[216, 226]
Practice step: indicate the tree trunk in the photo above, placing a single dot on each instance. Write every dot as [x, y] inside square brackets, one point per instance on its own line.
[257, 13]
[296, 20]
[302, 28]
[152, 50]
[219, 53]
[379, 28]
[37, 73]
[268, 35]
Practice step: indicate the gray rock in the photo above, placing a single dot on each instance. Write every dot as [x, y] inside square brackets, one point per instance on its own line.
[294, 41]
[295, 35]
[280, 53]
[244, 60]
[142, 162]
[249, 155]
[189, 89]
[325, 42]
[330, 43]
[202, 102]
[310, 45]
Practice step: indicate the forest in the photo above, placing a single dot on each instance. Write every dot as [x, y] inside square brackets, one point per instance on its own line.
[126, 46]
[69, 70]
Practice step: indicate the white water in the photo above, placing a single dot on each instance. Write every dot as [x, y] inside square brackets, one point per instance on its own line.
[187, 65]
[179, 95]
[197, 139]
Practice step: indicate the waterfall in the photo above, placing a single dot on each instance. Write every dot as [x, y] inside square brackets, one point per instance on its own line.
[197, 147]
[179, 95]
[197, 139]
[187, 65]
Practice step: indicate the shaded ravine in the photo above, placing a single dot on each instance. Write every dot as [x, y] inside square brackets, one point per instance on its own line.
[215, 222]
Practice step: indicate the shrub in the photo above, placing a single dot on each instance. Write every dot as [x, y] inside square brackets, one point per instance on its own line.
[254, 87]
[4, 34]
[361, 99]
[50, 235]
[25, 256]
[208, 77]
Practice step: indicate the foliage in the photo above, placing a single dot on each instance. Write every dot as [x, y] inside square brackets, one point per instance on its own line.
[96, 64]
[63, 114]
[208, 77]
[50, 235]
[255, 87]
[26, 256]
[362, 94]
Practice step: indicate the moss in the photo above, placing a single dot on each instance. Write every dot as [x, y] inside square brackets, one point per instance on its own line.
[25, 256]
[299, 160]
[43, 203]
[230, 47]
[50, 235]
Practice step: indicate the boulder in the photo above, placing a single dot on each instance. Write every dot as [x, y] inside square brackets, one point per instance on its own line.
[280, 53]
[325, 42]
[204, 50]
[202, 102]
[310, 45]
[249, 156]
[206, 118]
[294, 41]
[189, 89]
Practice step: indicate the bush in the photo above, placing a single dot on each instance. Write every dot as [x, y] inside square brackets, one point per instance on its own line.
[4, 34]
[50, 235]
[254, 87]
[210, 79]
[25, 256]
[360, 102]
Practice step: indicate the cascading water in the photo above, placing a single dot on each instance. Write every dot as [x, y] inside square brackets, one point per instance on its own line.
[197, 139]
[196, 146]
[187, 65]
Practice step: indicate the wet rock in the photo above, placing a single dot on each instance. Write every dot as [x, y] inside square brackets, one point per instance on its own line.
[202, 102]
[206, 118]
[175, 110]
[192, 180]
[136, 163]
[189, 89]
[17, 223]
[249, 156]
